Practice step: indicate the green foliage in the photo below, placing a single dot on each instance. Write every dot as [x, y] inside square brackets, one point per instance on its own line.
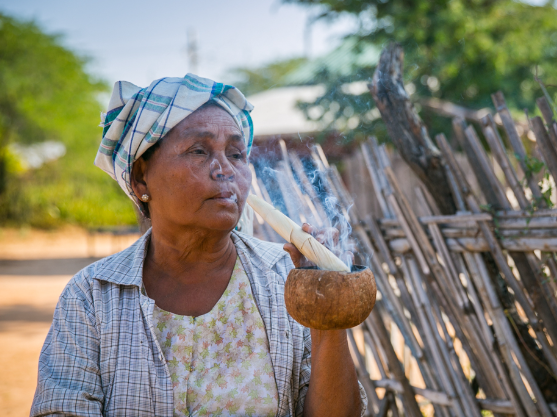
[533, 167]
[46, 94]
[253, 80]
[456, 50]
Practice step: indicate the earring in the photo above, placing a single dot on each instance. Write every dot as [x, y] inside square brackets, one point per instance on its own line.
[145, 198]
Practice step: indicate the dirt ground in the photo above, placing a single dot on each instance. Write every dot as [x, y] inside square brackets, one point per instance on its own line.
[35, 266]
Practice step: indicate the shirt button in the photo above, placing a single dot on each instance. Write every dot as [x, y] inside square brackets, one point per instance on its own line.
[287, 334]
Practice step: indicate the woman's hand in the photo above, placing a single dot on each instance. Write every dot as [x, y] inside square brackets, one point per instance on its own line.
[333, 388]
[327, 236]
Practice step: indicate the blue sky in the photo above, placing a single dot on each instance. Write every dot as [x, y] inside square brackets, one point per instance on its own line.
[140, 40]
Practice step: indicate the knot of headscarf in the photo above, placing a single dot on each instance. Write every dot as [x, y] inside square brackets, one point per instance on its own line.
[137, 118]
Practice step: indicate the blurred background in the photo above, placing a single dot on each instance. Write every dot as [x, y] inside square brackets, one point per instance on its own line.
[304, 64]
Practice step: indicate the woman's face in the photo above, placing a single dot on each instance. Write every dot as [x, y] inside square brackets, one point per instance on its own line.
[199, 176]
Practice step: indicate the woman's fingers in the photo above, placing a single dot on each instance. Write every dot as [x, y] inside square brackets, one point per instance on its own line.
[308, 228]
[294, 253]
[327, 236]
[298, 259]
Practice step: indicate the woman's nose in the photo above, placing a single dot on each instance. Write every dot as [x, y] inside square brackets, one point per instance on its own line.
[221, 170]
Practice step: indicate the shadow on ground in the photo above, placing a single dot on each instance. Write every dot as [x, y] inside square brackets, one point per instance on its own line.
[68, 266]
[25, 312]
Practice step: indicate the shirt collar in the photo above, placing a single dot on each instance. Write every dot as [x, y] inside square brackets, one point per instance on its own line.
[126, 267]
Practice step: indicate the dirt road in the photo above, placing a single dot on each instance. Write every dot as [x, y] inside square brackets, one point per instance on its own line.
[26, 307]
[34, 269]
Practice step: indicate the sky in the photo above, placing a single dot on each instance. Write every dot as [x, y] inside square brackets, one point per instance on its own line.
[140, 40]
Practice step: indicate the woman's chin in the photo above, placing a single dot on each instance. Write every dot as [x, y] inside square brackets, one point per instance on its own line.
[222, 222]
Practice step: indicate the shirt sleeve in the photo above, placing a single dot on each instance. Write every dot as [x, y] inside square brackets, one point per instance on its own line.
[69, 376]
[305, 374]
[363, 399]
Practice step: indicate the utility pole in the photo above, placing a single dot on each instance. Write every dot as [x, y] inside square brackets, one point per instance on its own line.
[307, 37]
[193, 62]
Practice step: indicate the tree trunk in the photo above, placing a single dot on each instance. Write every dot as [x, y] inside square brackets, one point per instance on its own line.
[406, 129]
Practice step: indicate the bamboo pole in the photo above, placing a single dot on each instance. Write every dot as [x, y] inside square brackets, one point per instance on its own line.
[416, 249]
[503, 160]
[372, 169]
[486, 293]
[516, 142]
[502, 328]
[510, 221]
[382, 162]
[489, 236]
[416, 230]
[431, 334]
[457, 374]
[367, 382]
[533, 281]
[459, 128]
[473, 343]
[549, 153]
[408, 395]
[547, 114]
[468, 244]
[393, 303]
[442, 250]
[308, 187]
[463, 185]
[475, 145]
[385, 289]
[438, 271]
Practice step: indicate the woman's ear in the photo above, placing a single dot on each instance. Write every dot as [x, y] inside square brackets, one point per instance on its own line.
[138, 183]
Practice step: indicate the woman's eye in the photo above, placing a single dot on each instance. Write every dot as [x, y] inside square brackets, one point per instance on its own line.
[198, 152]
[238, 156]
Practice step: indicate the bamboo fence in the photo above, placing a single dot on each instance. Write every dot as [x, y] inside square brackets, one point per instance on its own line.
[466, 318]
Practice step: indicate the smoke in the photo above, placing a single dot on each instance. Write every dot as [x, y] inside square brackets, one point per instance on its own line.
[302, 189]
[338, 218]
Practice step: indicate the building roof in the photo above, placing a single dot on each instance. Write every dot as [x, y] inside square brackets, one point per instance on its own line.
[276, 111]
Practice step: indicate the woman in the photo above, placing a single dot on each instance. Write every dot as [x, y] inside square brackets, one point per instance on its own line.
[190, 320]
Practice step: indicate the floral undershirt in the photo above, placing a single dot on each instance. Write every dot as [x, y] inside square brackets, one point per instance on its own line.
[219, 362]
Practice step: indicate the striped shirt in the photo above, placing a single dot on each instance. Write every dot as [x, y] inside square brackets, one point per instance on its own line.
[101, 355]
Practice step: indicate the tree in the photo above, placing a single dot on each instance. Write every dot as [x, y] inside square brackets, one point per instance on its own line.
[46, 94]
[456, 50]
[265, 77]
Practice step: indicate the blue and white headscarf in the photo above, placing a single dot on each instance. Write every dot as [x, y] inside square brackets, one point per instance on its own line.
[137, 118]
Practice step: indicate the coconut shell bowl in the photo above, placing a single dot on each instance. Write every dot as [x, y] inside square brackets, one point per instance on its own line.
[330, 300]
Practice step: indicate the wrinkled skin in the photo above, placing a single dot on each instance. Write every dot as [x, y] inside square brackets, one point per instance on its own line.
[198, 180]
[199, 166]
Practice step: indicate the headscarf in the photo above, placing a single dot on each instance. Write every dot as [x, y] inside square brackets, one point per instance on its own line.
[137, 118]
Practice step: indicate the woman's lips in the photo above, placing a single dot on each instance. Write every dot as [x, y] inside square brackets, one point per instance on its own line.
[226, 197]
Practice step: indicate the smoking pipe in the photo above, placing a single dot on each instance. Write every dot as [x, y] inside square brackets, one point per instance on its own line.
[328, 296]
